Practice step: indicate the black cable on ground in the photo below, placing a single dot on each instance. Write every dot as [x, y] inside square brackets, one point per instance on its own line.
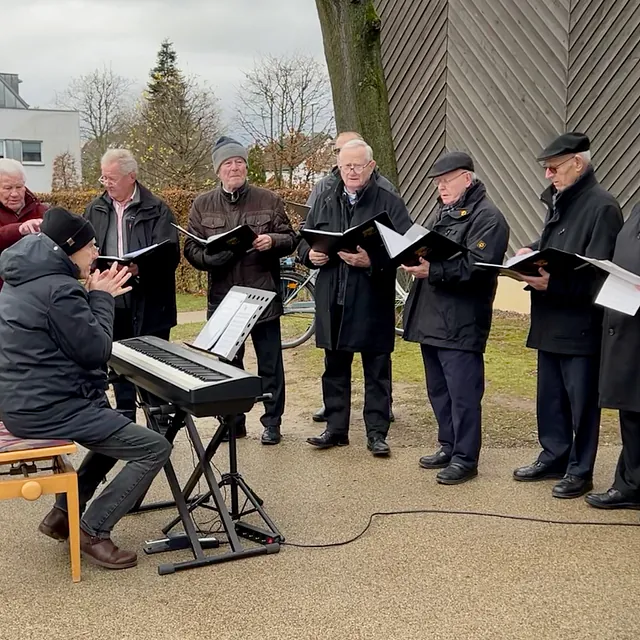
[482, 514]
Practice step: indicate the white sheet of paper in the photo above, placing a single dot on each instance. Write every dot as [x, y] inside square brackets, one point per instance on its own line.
[619, 295]
[610, 267]
[517, 259]
[396, 243]
[219, 321]
[234, 329]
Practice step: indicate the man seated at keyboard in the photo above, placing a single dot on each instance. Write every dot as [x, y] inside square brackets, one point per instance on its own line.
[55, 340]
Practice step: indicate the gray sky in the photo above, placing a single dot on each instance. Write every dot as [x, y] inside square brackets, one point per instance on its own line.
[48, 42]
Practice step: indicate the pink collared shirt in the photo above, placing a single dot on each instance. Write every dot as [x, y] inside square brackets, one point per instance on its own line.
[120, 208]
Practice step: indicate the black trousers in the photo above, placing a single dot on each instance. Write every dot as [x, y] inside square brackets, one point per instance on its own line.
[568, 412]
[455, 386]
[123, 390]
[627, 478]
[336, 390]
[267, 342]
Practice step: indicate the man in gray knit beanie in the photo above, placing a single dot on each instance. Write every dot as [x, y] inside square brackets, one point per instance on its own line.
[233, 203]
[225, 149]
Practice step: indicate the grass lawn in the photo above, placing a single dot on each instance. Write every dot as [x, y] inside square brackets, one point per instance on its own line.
[191, 302]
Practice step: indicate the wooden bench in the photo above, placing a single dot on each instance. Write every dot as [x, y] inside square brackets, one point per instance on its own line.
[25, 479]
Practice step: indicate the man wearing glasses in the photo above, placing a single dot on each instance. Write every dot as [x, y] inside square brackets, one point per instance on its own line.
[127, 217]
[566, 327]
[355, 300]
[324, 185]
[448, 312]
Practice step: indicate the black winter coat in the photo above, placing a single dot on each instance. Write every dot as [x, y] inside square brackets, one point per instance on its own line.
[153, 298]
[619, 367]
[452, 308]
[215, 212]
[368, 317]
[55, 340]
[586, 220]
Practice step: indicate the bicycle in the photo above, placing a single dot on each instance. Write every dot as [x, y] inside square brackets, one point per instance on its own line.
[297, 288]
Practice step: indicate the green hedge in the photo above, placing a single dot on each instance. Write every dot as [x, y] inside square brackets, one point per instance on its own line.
[189, 280]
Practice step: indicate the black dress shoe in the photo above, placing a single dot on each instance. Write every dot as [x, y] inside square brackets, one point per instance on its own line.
[613, 499]
[572, 487]
[327, 440]
[438, 460]
[537, 471]
[318, 416]
[456, 474]
[241, 432]
[378, 446]
[271, 435]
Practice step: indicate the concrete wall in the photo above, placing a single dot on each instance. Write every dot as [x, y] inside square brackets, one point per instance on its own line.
[59, 131]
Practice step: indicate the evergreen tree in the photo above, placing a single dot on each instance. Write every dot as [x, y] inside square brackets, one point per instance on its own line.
[165, 75]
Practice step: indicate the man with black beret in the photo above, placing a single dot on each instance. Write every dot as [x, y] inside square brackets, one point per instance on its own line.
[55, 340]
[582, 217]
[449, 313]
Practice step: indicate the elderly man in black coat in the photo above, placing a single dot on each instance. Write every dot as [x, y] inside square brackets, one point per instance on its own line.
[449, 313]
[620, 379]
[55, 340]
[566, 327]
[355, 299]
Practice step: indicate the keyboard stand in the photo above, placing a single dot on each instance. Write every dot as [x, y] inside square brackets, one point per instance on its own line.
[266, 540]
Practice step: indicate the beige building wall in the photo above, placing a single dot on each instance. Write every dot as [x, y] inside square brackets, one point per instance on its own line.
[511, 296]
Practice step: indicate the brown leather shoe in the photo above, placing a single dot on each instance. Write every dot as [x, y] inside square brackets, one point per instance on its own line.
[55, 525]
[104, 553]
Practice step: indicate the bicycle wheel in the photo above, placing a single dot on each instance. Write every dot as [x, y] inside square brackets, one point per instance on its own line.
[298, 323]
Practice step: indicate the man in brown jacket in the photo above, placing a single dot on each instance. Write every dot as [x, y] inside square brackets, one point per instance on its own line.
[233, 203]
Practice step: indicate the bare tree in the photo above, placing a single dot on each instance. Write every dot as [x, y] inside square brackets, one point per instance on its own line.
[65, 173]
[102, 99]
[173, 136]
[283, 103]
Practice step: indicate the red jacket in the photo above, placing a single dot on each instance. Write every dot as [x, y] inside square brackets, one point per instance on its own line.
[10, 221]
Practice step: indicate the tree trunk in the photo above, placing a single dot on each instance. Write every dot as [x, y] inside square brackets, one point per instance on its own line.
[351, 34]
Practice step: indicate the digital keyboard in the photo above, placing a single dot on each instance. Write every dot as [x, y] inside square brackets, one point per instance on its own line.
[193, 380]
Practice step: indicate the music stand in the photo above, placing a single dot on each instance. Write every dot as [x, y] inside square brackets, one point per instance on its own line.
[225, 333]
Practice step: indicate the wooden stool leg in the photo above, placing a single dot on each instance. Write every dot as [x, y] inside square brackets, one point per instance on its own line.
[73, 505]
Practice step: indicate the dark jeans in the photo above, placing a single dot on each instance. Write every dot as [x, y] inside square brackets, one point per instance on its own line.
[123, 390]
[145, 452]
[336, 390]
[267, 342]
[568, 412]
[627, 478]
[455, 385]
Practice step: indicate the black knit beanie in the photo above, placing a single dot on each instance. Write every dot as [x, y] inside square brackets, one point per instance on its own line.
[68, 230]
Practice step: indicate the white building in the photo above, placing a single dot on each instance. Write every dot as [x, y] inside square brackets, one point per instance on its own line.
[35, 136]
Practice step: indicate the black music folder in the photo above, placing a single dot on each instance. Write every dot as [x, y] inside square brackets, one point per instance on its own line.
[529, 264]
[238, 239]
[417, 243]
[137, 257]
[365, 235]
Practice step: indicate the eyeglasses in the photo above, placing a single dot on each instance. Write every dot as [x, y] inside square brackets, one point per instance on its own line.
[356, 168]
[18, 188]
[553, 170]
[445, 181]
[103, 180]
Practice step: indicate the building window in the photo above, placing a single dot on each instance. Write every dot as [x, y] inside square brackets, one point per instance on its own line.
[32, 151]
[22, 151]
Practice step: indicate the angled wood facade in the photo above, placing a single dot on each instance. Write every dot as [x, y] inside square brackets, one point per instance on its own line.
[500, 79]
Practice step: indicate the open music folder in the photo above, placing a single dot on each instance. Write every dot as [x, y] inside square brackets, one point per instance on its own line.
[104, 262]
[417, 243]
[529, 264]
[232, 322]
[237, 239]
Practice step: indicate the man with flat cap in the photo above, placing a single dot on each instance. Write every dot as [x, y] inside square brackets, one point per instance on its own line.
[566, 327]
[449, 313]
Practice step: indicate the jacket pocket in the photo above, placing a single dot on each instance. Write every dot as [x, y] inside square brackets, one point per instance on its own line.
[213, 224]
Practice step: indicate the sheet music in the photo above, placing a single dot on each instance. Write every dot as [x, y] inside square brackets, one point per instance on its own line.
[219, 320]
[396, 243]
[235, 329]
[619, 295]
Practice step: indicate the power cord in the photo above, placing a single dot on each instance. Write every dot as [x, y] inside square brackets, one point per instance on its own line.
[482, 514]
